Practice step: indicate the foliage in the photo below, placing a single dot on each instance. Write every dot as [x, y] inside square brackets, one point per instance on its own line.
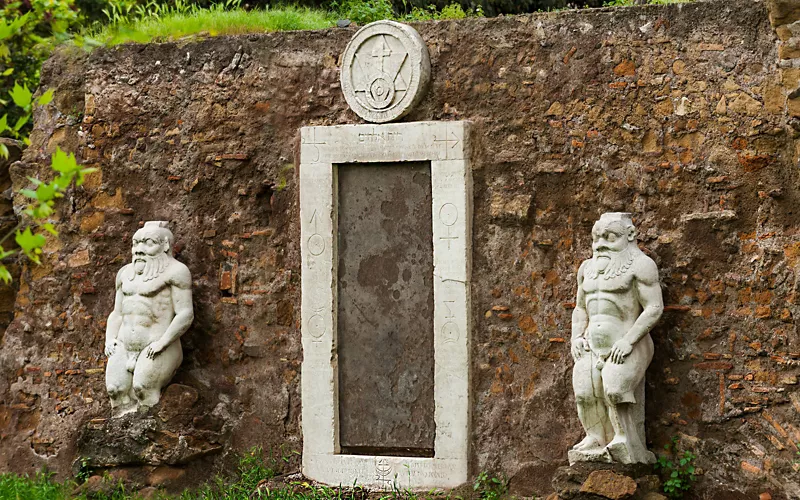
[678, 475]
[452, 11]
[32, 238]
[490, 488]
[364, 11]
[254, 467]
[155, 21]
[29, 30]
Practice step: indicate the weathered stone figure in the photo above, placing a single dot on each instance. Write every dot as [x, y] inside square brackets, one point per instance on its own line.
[619, 301]
[152, 309]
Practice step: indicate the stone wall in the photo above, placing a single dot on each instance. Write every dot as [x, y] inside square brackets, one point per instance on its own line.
[676, 113]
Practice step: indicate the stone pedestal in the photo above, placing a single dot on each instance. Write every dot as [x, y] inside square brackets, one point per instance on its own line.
[597, 481]
[172, 433]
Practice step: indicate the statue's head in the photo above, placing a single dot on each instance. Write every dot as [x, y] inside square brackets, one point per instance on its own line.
[151, 245]
[612, 235]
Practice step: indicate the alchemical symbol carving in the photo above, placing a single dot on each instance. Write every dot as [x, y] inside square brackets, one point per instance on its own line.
[383, 471]
[316, 327]
[448, 214]
[450, 332]
[316, 243]
[385, 71]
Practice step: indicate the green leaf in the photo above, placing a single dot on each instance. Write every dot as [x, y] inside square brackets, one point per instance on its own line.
[3, 123]
[674, 474]
[3, 150]
[8, 71]
[29, 194]
[82, 174]
[31, 244]
[21, 122]
[6, 253]
[50, 228]
[4, 274]
[21, 95]
[46, 192]
[45, 98]
[64, 163]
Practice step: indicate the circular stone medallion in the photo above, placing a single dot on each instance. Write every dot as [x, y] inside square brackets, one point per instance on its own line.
[385, 71]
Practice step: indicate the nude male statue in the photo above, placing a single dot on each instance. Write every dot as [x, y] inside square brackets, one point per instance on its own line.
[618, 303]
[152, 309]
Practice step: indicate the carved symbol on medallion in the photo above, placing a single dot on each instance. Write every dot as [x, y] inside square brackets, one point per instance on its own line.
[316, 327]
[450, 332]
[385, 69]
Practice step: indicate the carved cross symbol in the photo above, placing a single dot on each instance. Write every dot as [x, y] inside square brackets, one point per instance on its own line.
[381, 51]
[448, 237]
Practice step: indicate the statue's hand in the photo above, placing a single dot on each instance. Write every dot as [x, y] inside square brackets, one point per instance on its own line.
[154, 349]
[620, 350]
[111, 347]
[579, 346]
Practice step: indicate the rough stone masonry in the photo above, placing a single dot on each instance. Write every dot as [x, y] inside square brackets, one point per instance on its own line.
[687, 115]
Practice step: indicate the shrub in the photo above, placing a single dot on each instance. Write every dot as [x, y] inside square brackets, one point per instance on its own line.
[677, 470]
[28, 32]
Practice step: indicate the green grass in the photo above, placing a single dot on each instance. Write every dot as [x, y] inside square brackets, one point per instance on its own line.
[212, 22]
[253, 467]
[157, 22]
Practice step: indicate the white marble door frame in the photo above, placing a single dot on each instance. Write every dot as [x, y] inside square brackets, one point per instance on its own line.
[444, 145]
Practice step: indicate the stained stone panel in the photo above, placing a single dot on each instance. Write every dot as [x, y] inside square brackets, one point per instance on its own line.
[385, 309]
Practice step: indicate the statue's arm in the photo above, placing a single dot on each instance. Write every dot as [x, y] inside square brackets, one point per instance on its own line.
[648, 291]
[580, 319]
[114, 321]
[181, 283]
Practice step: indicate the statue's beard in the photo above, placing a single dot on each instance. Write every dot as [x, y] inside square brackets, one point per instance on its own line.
[612, 264]
[149, 267]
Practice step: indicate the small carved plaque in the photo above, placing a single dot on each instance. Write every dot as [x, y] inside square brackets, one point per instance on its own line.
[385, 71]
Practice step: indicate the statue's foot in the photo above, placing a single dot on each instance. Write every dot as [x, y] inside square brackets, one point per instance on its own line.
[588, 443]
[618, 449]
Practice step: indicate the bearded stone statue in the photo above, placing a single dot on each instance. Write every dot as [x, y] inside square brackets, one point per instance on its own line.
[152, 309]
[618, 303]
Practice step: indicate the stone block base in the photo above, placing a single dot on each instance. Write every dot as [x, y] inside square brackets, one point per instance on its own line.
[596, 481]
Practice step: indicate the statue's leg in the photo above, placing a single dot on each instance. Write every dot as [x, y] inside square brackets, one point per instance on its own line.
[588, 388]
[119, 381]
[151, 375]
[624, 391]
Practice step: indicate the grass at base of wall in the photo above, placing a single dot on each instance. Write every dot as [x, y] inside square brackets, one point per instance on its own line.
[254, 467]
